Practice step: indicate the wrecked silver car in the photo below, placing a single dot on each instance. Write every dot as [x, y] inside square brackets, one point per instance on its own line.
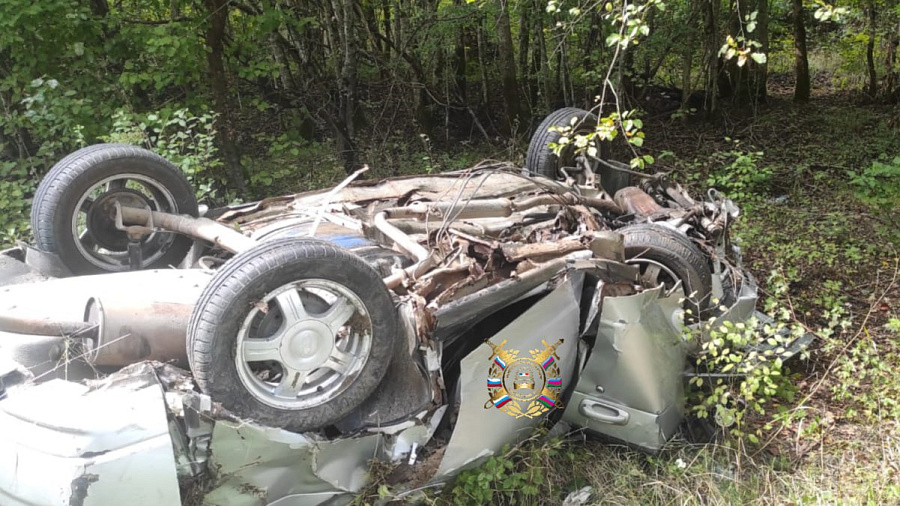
[423, 321]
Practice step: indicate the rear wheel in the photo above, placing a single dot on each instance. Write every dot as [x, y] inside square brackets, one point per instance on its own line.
[294, 333]
[665, 256]
[540, 159]
[73, 214]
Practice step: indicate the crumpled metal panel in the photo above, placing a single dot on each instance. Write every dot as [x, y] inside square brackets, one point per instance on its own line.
[256, 465]
[67, 444]
[481, 432]
[630, 387]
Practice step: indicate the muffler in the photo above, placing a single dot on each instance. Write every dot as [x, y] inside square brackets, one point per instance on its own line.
[132, 329]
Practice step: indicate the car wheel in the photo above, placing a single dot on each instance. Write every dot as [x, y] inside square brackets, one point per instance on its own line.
[71, 214]
[293, 333]
[540, 159]
[666, 256]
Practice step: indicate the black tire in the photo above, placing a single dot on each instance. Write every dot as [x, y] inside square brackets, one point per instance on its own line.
[246, 279]
[676, 252]
[540, 159]
[67, 182]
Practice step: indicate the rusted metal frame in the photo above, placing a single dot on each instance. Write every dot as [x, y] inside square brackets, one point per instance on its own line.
[403, 241]
[467, 309]
[36, 327]
[498, 208]
[473, 228]
[200, 228]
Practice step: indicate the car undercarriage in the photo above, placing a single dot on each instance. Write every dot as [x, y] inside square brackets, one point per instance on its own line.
[422, 321]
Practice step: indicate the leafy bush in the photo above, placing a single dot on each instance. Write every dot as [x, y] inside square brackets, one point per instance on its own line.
[15, 186]
[879, 187]
[292, 164]
[739, 174]
[52, 116]
[746, 361]
[184, 138]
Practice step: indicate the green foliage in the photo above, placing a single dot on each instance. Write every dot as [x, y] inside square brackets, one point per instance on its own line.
[865, 370]
[184, 138]
[292, 164]
[15, 206]
[738, 174]
[867, 385]
[54, 115]
[740, 370]
[878, 186]
[516, 476]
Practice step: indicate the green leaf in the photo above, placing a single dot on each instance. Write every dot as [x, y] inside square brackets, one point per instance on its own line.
[759, 58]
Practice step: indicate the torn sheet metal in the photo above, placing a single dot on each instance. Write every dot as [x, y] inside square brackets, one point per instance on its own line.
[626, 390]
[482, 431]
[254, 465]
[67, 444]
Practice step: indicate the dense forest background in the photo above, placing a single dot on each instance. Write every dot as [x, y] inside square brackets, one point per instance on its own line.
[788, 106]
[245, 94]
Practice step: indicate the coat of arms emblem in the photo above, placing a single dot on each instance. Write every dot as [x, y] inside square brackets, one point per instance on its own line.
[524, 386]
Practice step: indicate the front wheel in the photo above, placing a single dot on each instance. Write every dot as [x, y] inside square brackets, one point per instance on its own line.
[666, 256]
[294, 333]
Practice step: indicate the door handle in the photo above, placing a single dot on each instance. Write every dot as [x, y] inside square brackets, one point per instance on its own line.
[602, 412]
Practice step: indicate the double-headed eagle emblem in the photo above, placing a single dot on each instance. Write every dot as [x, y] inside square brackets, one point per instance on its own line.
[527, 386]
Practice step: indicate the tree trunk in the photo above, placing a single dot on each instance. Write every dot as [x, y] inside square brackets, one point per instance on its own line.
[889, 83]
[524, 41]
[760, 72]
[386, 22]
[460, 63]
[545, 86]
[507, 58]
[482, 64]
[870, 49]
[345, 122]
[397, 9]
[687, 57]
[746, 83]
[225, 131]
[99, 8]
[801, 60]
[712, 51]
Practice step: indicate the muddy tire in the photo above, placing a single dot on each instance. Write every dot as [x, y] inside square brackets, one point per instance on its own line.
[665, 256]
[540, 159]
[70, 215]
[293, 333]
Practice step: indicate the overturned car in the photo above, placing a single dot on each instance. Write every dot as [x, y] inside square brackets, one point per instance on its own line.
[424, 321]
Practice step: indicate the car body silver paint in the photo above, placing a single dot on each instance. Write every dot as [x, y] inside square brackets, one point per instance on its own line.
[482, 432]
[68, 444]
[628, 389]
